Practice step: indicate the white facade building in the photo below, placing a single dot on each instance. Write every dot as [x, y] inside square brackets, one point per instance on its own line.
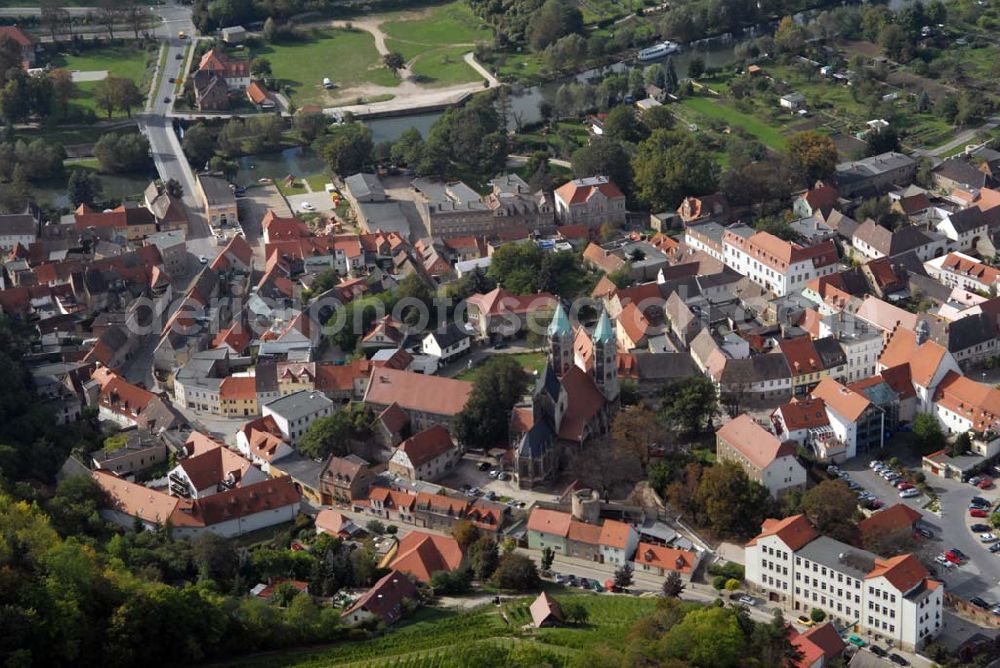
[882, 599]
[293, 413]
[778, 266]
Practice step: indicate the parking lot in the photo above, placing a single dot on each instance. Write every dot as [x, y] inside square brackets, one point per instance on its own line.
[468, 475]
[979, 574]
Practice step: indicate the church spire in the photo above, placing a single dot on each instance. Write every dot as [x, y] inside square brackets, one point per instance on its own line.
[560, 334]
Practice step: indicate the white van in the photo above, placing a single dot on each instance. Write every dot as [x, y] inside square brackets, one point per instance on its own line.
[327, 83]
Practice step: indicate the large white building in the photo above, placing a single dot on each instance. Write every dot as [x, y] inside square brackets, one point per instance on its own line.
[778, 266]
[895, 599]
[293, 413]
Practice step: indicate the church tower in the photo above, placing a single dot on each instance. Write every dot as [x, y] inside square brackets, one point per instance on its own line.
[560, 342]
[606, 357]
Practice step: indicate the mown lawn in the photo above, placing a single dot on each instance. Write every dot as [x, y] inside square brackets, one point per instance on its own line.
[718, 109]
[531, 362]
[346, 57]
[435, 43]
[123, 61]
[444, 25]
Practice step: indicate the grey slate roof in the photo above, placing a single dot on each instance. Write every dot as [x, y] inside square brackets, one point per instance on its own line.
[961, 171]
[841, 557]
[299, 404]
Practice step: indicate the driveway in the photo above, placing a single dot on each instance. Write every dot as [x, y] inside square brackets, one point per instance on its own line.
[467, 472]
[320, 202]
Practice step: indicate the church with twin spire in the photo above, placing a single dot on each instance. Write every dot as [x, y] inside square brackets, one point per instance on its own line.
[575, 397]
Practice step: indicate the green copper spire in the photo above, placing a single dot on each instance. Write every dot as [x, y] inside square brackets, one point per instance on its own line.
[604, 333]
[560, 323]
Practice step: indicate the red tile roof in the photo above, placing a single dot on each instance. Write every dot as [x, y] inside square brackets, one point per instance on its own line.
[977, 402]
[549, 521]
[423, 554]
[238, 388]
[615, 533]
[794, 531]
[801, 355]
[427, 445]
[667, 558]
[845, 401]
[499, 301]
[417, 392]
[904, 572]
[757, 444]
[385, 598]
[898, 516]
[575, 192]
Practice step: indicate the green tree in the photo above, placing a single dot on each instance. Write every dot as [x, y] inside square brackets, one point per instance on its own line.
[117, 154]
[260, 67]
[63, 88]
[465, 533]
[927, 434]
[333, 434]
[516, 572]
[706, 638]
[813, 156]
[483, 558]
[729, 503]
[548, 556]
[394, 61]
[673, 585]
[500, 384]
[605, 157]
[623, 125]
[84, 187]
[104, 95]
[671, 165]
[817, 615]
[375, 527]
[125, 95]
[575, 612]
[310, 125]
[554, 20]
[882, 141]
[199, 144]
[347, 148]
[690, 404]
[831, 507]
[409, 148]
[624, 576]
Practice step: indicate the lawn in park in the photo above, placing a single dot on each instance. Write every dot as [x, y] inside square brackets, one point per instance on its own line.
[444, 25]
[347, 57]
[124, 61]
[531, 362]
[435, 41]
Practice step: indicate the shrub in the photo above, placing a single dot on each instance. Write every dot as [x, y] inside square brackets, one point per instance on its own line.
[719, 582]
[817, 615]
[732, 584]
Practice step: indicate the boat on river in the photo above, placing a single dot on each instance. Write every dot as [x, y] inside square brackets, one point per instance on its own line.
[657, 51]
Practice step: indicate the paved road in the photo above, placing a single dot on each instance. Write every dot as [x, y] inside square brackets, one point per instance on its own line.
[981, 575]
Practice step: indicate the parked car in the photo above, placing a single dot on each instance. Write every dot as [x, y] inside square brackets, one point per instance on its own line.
[909, 493]
[748, 600]
[805, 621]
[979, 603]
[857, 640]
[904, 485]
[926, 533]
[898, 660]
[307, 206]
[980, 528]
[954, 558]
[560, 578]
[978, 512]
[994, 548]
[942, 560]
[571, 579]
[987, 538]
[874, 464]
[202, 259]
[985, 483]
[584, 583]
[975, 480]
[502, 475]
[878, 651]
[484, 466]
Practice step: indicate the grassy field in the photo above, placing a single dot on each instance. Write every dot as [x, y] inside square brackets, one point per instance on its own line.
[432, 635]
[530, 361]
[119, 61]
[347, 57]
[720, 110]
[444, 25]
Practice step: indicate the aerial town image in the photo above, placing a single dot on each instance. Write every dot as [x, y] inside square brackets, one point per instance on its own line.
[500, 333]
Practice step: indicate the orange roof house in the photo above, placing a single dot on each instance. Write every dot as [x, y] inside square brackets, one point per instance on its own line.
[649, 557]
[423, 554]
